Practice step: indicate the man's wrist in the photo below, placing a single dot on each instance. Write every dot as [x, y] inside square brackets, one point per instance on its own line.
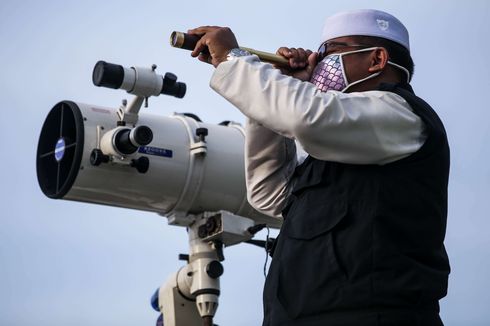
[236, 53]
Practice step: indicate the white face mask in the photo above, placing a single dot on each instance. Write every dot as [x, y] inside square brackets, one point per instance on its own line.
[329, 74]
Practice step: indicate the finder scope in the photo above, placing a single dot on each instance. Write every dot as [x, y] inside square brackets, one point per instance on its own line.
[142, 82]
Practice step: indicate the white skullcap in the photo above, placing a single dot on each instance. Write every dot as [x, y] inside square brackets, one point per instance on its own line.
[365, 22]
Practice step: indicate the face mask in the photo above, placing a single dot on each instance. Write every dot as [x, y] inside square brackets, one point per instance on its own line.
[329, 74]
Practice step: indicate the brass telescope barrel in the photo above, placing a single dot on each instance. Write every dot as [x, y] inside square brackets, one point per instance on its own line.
[189, 41]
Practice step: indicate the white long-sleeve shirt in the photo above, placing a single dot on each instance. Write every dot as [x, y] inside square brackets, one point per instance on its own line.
[373, 127]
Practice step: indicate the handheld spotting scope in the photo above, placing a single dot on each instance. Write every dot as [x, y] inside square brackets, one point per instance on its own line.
[188, 42]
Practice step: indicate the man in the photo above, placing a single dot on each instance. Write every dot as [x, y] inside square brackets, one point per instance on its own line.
[365, 213]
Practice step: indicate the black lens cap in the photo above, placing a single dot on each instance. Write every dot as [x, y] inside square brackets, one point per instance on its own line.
[108, 75]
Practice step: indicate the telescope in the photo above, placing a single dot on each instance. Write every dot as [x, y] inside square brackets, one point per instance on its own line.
[188, 42]
[177, 166]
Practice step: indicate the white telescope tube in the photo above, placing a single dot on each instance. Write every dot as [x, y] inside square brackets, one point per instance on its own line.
[187, 173]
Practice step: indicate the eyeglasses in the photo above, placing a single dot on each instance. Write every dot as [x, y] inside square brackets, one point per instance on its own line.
[327, 47]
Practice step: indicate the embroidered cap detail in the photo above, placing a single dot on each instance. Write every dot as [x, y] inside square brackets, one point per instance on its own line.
[383, 24]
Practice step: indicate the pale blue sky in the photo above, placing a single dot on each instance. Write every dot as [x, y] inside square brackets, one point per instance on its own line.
[67, 263]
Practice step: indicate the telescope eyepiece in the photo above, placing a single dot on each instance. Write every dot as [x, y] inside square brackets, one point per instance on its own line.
[127, 141]
[141, 136]
[172, 87]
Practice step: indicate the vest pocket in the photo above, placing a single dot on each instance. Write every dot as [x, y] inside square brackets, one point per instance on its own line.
[311, 278]
[314, 213]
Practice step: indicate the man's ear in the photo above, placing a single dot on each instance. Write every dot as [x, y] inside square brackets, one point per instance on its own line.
[379, 60]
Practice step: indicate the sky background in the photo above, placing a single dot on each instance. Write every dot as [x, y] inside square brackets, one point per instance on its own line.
[69, 263]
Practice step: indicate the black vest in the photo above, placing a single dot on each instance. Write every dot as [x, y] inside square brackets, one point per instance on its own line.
[363, 244]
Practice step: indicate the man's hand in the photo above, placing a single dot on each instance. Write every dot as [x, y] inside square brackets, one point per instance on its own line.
[301, 62]
[218, 40]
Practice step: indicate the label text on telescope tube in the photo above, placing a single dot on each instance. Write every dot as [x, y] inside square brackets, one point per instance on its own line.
[149, 150]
